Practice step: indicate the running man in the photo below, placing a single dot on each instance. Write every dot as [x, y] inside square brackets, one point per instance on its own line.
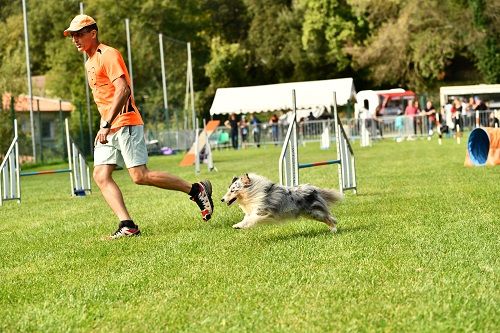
[120, 139]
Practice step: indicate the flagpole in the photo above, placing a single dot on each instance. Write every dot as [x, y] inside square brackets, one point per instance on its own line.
[28, 73]
[129, 53]
[87, 93]
[163, 79]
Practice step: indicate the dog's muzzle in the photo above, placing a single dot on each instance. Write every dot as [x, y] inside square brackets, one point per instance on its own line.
[229, 202]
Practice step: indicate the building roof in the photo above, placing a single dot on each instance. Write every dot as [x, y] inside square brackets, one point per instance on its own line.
[42, 104]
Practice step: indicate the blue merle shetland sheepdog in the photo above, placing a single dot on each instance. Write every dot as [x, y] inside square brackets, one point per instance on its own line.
[262, 201]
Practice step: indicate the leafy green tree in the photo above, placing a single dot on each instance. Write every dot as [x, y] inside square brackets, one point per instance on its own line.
[227, 65]
[244, 42]
[12, 56]
[415, 42]
[486, 48]
[226, 19]
[328, 26]
[6, 131]
[412, 47]
[299, 40]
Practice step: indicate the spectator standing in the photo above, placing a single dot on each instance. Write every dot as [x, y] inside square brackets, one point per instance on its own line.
[471, 104]
[418, 118]
[399, 126]
[244, 132]
[232, 124]
[480, 107]
[310, 129]
[311, 117]
[456, 115]
[494, 119]
[274, 128]
[255, 123]
[469, 109]
[379, 122]
[464, 113]
[430, 113]
[410, 113]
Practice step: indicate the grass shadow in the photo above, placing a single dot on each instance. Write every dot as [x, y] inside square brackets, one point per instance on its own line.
[365, 194]
[316, 233]
[357, 228]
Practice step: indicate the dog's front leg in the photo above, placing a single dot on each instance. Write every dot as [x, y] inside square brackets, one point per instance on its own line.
[248, 222]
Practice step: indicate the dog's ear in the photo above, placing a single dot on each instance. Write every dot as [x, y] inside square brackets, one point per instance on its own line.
[246, 180]
[234, 179]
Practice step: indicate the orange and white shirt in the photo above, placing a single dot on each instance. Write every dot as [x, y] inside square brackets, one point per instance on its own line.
[105, 66]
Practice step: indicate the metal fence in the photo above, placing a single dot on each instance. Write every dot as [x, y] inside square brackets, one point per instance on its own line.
[400, 127]
[393, 127]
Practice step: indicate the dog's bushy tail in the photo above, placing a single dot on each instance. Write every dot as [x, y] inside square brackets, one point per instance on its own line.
[331, 196]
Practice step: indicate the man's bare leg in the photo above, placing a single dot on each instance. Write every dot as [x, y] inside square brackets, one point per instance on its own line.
[110, 190]
[201, 192]
[143, 176]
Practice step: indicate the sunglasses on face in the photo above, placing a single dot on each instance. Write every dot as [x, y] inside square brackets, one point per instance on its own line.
[79, 34]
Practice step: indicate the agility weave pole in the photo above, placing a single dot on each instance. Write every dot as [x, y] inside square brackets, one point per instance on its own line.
[78, 168]
[345, 154]
[288, 166]
[10, 170]
[10, 187]
[288, 162]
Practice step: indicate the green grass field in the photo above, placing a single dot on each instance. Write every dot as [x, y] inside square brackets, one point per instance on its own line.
[417, 251]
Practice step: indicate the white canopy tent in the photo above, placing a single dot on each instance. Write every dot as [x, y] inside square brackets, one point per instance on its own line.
[311, 96]
[489, 93]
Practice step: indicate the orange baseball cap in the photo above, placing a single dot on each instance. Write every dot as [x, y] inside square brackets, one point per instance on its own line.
[78, 23]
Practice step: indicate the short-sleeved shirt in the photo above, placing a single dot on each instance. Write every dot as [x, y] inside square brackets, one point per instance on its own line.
[411, 111]
[105, 66]
[432, 113]
[233, 123]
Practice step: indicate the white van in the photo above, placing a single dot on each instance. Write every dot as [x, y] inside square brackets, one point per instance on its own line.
[392, 101]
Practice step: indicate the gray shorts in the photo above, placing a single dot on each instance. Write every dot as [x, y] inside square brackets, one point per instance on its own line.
[125, 147]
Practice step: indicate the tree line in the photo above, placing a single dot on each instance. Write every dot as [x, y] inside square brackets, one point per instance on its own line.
[413, 44]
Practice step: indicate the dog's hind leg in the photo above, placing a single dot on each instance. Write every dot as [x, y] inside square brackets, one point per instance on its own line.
[332, 223]
[325, 217]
